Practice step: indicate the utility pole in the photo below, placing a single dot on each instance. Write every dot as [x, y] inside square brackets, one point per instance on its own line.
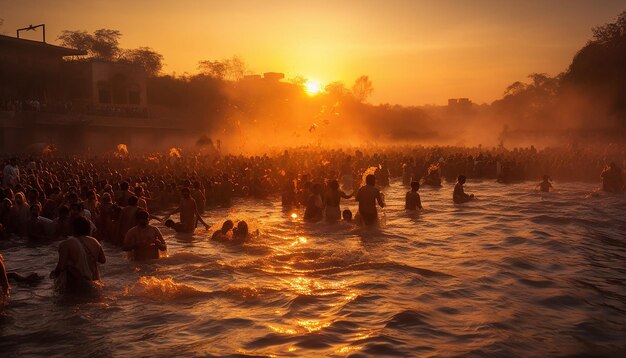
[33, 28]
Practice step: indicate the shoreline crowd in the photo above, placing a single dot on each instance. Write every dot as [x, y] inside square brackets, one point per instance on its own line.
[112, 198]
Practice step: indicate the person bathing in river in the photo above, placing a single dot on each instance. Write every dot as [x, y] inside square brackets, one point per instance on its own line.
[222, 234]
[332, 198]
[241, 233]
[314, 204]
[412, 199]
[77, 268]
[545, 185]
[612, 179]
[347, 215]
[459, 196]
[368, 196]
[144, 240]
[189, 215]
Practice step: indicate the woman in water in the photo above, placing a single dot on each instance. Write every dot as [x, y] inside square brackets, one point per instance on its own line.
[222, 234]
[332, 198]
[240, 233]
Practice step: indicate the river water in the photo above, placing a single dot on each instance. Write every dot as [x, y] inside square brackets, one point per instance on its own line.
[515, 273]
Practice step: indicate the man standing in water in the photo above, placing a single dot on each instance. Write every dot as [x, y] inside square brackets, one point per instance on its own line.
[459, 196]
[189, 215]
[367, 196]
[144, 240]
[79, 257]
[612, 179]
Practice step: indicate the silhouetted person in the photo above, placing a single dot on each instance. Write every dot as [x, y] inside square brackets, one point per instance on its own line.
[612, 179]
[144, 240]
[368, 196]
[79, 256]
[222, 234]
[545, 185]
[412, 199]
[314, 204]
[459, 196]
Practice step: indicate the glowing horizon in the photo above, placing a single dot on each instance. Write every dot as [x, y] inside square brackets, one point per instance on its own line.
[415, 52]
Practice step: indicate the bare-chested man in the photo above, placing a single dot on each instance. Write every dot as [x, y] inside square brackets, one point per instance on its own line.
[128, 218]
[144, 240]
[367, 197]
[189, 215]
[79, 257]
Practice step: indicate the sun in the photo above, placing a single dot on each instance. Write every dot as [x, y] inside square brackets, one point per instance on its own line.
[312, 87]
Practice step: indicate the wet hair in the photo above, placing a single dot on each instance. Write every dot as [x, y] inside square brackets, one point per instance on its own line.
[347, 215]
[227, 225]
[132, 201]
[242, 228]
[142, 215]
[415, 185]
[81, 226]
[370, 179]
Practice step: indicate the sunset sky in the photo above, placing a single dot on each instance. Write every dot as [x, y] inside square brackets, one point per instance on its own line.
[415, 52]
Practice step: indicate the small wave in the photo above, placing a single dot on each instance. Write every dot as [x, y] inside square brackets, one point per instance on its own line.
[181, 258]
[406, 319]
[389, 265]
[165, 289]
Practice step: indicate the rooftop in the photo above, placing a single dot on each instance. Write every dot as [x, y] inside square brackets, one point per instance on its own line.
[8, 41]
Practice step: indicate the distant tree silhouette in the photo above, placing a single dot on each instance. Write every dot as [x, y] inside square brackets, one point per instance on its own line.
[362, 88]
[150, 60]
[230, 69]
[102, 44]
[599, 68]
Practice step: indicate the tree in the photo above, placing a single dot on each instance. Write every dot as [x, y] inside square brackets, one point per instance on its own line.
[362, 88]
[336, 89]
[80, 40]
[150, 60]
[612, 32]
[105, 43]
[102, 44]
[231, 69]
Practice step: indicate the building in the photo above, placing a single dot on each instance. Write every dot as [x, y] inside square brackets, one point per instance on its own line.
[32, 70]
[459, 105]
[99, 84]
[78, 105]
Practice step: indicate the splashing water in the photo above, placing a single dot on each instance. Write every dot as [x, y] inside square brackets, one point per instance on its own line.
[517, 273]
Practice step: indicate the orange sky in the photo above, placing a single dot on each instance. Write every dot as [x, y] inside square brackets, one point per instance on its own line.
[415, 52]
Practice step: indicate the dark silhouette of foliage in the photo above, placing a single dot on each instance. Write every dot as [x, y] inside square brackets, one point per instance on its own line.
[599, 68]
[145, 57]
[362, 88]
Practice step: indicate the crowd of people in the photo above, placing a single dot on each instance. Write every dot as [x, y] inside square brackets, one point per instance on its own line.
[65, 107]
[113, 198]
